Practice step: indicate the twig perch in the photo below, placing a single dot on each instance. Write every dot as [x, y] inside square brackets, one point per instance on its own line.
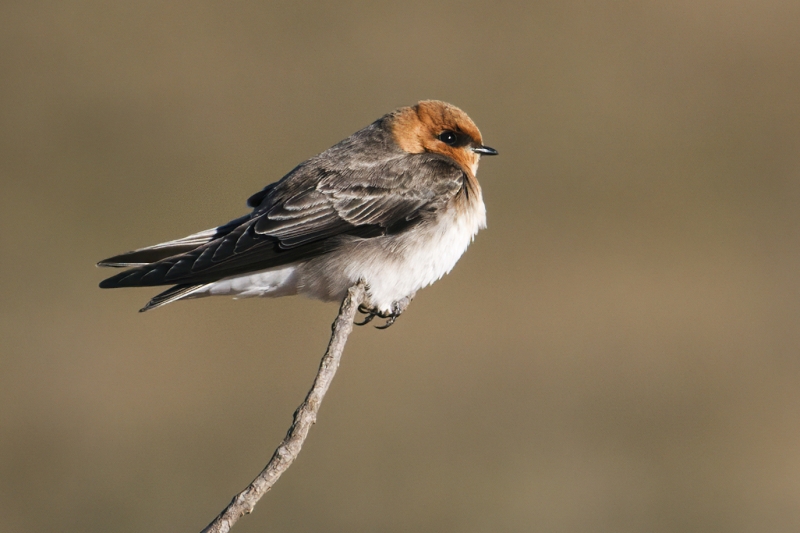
[304, 417]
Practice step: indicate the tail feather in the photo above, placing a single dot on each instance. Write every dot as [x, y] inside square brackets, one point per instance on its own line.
[170, 295]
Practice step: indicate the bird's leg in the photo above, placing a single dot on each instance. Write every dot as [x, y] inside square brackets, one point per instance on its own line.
[391, 316]
[365, 309]
[397, 309]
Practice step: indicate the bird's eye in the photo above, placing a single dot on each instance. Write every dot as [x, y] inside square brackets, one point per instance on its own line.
[448, 137]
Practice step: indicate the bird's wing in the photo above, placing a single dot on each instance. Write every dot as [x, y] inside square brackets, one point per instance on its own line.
[304, 214]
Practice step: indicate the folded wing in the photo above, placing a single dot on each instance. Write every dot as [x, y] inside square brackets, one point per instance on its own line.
[299, 217]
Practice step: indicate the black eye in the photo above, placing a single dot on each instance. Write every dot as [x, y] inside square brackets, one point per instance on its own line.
[448, 137]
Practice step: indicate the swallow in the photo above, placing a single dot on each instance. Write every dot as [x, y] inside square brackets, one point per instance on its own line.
[395, 204]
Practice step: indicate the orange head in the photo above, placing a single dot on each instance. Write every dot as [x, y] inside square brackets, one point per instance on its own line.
[438, 127]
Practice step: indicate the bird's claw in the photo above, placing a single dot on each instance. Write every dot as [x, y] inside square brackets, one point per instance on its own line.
[370, 314]
[389, 322]
[390, 316]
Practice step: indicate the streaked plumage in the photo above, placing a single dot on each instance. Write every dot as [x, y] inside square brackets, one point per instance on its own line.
[392, 204]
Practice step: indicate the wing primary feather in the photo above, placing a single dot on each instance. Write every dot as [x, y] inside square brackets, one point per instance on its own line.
[152, 254]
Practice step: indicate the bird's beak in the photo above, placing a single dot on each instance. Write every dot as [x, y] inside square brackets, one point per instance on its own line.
[484, 150]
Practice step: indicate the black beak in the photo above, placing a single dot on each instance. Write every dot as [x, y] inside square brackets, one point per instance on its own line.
[484, 150]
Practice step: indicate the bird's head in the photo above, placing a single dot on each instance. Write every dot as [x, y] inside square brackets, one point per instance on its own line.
[441, 128]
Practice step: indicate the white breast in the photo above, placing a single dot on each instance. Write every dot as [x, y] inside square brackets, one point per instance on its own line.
[395, 266]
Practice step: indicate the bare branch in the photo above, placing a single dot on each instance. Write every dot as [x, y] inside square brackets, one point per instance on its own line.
[304, 417]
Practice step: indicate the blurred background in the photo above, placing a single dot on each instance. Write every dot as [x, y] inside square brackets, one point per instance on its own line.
[618, 352]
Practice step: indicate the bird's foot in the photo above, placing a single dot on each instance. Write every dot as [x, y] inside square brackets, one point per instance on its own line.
[370, 314]
[391, 316]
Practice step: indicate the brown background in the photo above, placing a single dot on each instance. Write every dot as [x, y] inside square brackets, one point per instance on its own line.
[618, 352]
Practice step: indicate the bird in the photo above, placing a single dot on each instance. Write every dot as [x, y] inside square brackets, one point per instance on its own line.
[396, 204]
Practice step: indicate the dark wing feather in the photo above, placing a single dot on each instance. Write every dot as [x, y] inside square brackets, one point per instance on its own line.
[304, 214]
[151, 254]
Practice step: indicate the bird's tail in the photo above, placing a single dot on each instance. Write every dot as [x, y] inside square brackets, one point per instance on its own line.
[170, 295]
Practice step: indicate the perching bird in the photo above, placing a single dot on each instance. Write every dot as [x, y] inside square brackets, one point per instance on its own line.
[394, 204]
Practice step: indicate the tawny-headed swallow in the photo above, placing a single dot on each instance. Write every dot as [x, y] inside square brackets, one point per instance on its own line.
[395, 204]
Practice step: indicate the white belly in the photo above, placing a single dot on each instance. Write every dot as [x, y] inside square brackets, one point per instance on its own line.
[394, 266]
